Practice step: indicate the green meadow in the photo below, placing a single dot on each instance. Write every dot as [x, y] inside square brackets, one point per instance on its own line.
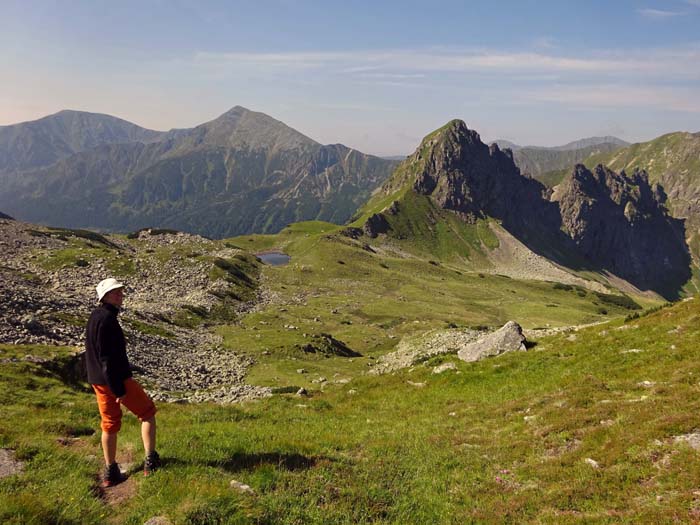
[370, 295]
[582, 428]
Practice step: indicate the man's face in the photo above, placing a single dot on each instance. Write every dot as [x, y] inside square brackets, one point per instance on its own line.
[114, 297]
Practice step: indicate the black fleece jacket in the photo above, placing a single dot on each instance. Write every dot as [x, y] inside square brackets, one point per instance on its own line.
[105, 350]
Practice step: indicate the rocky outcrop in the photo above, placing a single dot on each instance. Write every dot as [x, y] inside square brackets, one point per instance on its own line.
[508, 338]
[413, 350]
[461, 174]
[376, 225]
[622, 224]
[464, 175]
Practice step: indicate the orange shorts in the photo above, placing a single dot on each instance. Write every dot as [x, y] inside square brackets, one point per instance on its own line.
[135, 399]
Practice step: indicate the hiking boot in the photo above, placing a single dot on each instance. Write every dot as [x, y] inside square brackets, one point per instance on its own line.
[112, 476]
[151, 464]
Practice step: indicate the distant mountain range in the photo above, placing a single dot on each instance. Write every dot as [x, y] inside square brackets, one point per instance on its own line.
[576, 144]
[537, 160]
[240, 173]
[246, 172]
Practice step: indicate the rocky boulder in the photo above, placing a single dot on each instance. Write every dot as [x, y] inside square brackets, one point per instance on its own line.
[375, 225]
[413, 350]
[509, 338]
[328, 345]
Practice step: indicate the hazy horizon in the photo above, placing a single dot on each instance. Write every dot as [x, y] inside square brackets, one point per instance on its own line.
[374, 77]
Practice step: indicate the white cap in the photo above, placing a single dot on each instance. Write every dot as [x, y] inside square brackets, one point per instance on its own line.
[107, 285]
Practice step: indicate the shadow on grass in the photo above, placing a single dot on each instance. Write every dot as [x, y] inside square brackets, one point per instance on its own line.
[240, 461]
[292, 462]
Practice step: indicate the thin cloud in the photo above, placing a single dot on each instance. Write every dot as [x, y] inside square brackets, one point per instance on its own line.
[403, 62]
[658, 14]
[544, 42]
[617, 95]
[393, 76]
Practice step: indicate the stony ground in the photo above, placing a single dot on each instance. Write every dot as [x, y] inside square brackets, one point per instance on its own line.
[40, 306]
[9, 465]
[514, 259]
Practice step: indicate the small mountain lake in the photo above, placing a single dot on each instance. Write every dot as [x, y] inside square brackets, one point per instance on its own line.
[274, 258]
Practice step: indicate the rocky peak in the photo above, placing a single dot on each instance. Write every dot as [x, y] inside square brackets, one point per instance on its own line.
[464, 175]
[621, 223]
[602, 185]
[241, 127]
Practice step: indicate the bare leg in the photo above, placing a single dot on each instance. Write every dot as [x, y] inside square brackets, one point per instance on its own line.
[148, 434]
[109, 447]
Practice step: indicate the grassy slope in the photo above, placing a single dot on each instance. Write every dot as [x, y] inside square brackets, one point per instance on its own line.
[504, 440]
[370, 300]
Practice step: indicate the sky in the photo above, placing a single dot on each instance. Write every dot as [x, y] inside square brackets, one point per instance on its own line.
[374, 75]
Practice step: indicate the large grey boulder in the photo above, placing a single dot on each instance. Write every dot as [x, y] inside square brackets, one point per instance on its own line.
[416, 349]
[508, 338]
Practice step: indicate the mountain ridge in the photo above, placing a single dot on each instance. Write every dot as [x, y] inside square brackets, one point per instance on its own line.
[241, 172]
[461, 174]
[537, 160]
[41, 142]
[673, 160]
[574, 144]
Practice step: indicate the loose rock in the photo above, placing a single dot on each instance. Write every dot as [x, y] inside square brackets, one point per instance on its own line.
[592, 462]
[9, 464]
[692, 439]
[158, 520]
[444, 367]
[241, 487]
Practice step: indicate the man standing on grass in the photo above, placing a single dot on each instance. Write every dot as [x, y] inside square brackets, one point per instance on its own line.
[110, 375]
